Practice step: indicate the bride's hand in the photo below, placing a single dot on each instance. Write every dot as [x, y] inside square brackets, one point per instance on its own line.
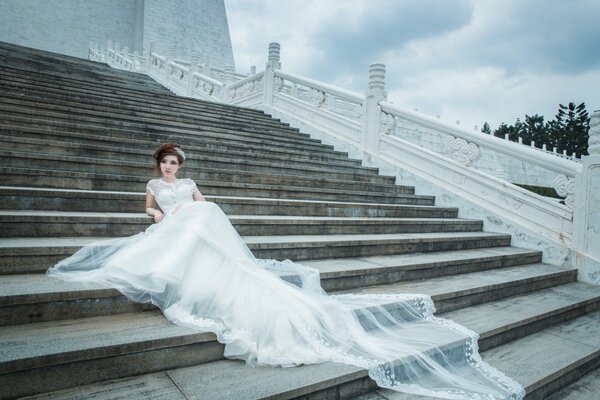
[158, 216]
[175, 210]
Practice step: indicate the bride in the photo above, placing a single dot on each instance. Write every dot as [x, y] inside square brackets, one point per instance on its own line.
[194, 266]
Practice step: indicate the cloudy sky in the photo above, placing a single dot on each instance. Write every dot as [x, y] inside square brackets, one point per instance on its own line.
[467, 60]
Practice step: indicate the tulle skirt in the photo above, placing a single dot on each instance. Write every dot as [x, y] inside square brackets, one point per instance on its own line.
[195, 267]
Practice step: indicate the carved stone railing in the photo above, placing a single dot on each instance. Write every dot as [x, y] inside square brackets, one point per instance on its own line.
[185, 78]
[455, 166]
[247, 92]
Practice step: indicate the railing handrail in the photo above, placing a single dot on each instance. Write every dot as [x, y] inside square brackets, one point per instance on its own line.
[208, 79]
[247, 79]
[343, 93]
[512, 149]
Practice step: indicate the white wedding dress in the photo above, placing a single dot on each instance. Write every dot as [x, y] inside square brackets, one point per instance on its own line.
[195, 267]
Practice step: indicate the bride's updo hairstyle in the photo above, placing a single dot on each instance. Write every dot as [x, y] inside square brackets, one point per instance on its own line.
[168, 149]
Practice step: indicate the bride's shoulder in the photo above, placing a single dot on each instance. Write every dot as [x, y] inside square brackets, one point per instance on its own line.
[153, 182]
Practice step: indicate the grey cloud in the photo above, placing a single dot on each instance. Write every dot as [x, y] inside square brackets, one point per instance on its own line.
[350, 49]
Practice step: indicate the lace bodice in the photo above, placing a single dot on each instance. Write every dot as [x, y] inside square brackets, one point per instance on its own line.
[170, 195]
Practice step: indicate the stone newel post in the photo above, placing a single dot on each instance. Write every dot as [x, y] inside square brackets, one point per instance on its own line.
[272, 64]
[586, 213]
[371, 110]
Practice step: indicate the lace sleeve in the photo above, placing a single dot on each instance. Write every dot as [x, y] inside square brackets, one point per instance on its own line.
[149, 188]
[192, 185]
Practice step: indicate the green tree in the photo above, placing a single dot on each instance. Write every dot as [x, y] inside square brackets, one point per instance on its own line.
[486, 129]
[570, 130]
[535, 130]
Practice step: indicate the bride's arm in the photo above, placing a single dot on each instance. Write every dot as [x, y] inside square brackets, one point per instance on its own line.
[150, 210]
[197, 195]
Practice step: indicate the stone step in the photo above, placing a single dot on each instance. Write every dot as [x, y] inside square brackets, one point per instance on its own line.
[39, 116]
[132, 83]
[194, 143]
[34, 223]
[30, 198]
[17, 254]
[31, 298]
[118, 90]
[204, 160]
[328, 380]
[17, 88]
[226, 185]
[81, 162]
[586, 388]
[165, 116]
[41, 85]
[206, 177]
[22, 55]
[98, 74]
[549, 360]
[350, 273]
[26, 139]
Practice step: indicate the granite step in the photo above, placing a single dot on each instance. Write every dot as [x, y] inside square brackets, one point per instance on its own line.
[40, 116]
[198, 144]
[132, 84]
[221, 172]
[54, 95]
[38, 254]
[137, 117]
[549, 360]
[120, 90]
[22, 54]
[35, 223]
[24, 77]
[117, 90]
[44, 178]
[586, 388]
[140, 151]
[328, 380]
[29, 298]
[204, 160]
[47, 199]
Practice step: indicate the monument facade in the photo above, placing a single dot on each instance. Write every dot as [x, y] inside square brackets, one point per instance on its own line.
[67, 26]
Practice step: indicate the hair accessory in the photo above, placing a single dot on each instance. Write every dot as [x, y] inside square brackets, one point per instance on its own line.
[180, 152]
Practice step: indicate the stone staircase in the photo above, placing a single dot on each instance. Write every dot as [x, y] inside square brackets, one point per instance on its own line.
[75, 140]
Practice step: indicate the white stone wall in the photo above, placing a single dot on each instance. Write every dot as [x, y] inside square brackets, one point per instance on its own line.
[189, 26]
[67, 26]
[489, 162]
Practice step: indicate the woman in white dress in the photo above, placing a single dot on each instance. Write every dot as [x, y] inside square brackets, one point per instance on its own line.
[194, 266]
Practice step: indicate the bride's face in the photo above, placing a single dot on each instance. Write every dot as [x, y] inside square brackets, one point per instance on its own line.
[169, 166]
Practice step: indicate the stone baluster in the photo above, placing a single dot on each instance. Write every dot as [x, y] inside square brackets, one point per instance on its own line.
[109, 50]
[586, 212]
[136, 61]
[371, 110]
[253, 70]
[273, 63]
[126, 56]
[149, 59]
[170, 56]
[118, 52]
[194, 69]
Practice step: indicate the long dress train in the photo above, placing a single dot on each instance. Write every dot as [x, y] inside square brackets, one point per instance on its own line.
[194, 266]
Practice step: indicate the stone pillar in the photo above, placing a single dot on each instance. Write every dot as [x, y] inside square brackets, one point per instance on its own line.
[151, 50]
[170, 56]
[586, 212]
[371, 109]
[194, 69]
[229, 74]
[272, 64]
